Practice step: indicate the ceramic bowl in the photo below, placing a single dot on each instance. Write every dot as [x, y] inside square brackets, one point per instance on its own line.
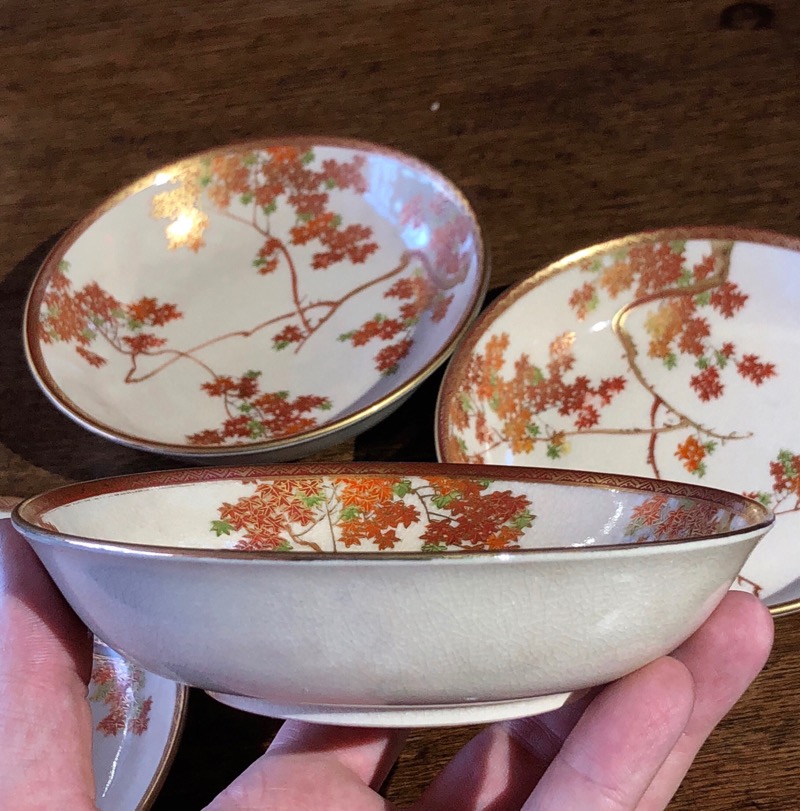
[260, 301]
[391, 594]
[666, 354]
[137, 720]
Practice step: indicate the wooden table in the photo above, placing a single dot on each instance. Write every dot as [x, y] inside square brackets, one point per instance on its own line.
[565, 123]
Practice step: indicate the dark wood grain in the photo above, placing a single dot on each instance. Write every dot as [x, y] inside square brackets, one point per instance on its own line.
[565, 123]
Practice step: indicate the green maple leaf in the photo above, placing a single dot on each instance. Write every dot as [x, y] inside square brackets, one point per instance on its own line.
[429, 548]
[686, 278]
[336, 221]
[312, 501]
[523, 519]
[63, 266]
[271, 208]
[710, 446]
[671, 360]
[326, 405]
[700, 470]
[702, 362]
[307, 158]
[677, 246]
[102, 692]
[89, 334]
[554, 451]
[764, 498]
[402, 488]
[532, 429]
[466, 403]
[256, 429]
[445, 500]
[284, 546]
[280, 345]
[220, 528]
[250, 159]
[246, 198]
[330, 183]
[537, 376]
[282, 395]
[252, 374]
[346, 336]
[722, 360]
[349, 513]
[703, 299]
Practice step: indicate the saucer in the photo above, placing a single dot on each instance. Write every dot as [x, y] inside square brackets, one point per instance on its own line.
[258, 301]
[138, 718]
[669, 354]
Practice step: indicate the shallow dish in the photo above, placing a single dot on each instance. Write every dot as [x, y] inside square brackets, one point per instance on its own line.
[262, 300]
[138, 718]
[669, 354]
[391, 594]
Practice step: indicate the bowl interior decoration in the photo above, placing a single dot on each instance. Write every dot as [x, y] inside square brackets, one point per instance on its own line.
[586, 577]
[665, 354]
[259, 300]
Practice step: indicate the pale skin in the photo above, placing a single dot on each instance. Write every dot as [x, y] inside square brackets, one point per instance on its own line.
[626, 748]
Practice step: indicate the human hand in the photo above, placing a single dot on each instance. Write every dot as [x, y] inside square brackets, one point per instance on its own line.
[626, 748]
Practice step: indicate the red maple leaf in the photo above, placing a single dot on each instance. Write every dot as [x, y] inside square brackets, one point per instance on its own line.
[90, 357]
[752, 368]
[728, 299]
[143, 342]
[142, 719]
[387, 360]
[581, 299]
[707, 384]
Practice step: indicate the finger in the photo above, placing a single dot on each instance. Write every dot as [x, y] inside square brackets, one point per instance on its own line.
[45, 662]
[618, 746]
[724, 657]
[501, 766]
[312, 766]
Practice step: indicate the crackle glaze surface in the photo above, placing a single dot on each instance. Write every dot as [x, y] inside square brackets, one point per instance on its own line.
[670, 354]
[392, 594]
[137, 718]
[256, 298]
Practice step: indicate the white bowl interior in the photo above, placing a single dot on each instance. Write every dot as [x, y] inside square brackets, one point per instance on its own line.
[256, 294]
[393, 513]
[669, 355]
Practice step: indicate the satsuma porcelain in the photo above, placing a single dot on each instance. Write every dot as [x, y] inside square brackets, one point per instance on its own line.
[392, 594]
[667, 354]
[262, 300]
[137, 718]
